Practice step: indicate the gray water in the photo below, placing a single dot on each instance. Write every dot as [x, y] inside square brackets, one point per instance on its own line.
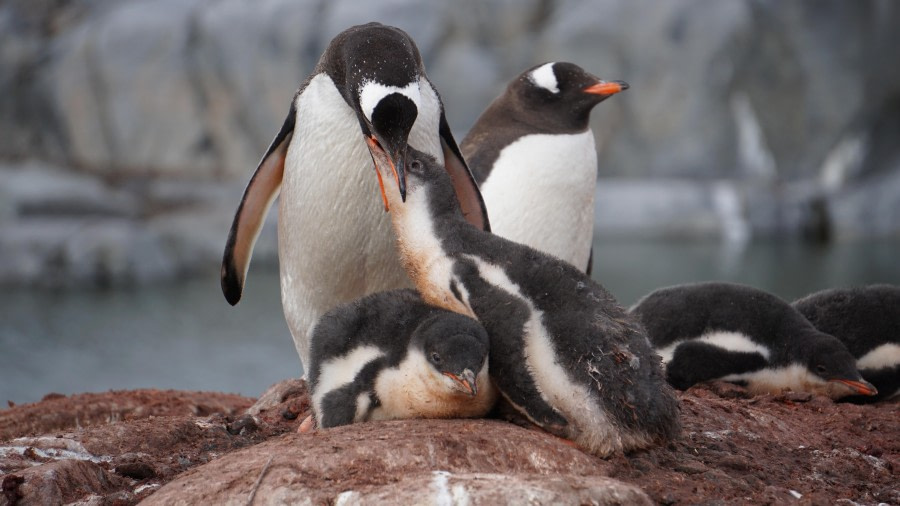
[185, 336]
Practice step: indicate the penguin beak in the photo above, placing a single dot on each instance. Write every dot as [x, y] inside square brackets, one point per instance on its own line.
[466, 381]
[606, 88]
[860, 387]
[394, 160]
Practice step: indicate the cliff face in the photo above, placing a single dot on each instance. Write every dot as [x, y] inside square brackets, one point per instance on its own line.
[152, 113]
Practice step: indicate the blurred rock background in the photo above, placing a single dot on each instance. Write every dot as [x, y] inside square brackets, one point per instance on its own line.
[128, 128]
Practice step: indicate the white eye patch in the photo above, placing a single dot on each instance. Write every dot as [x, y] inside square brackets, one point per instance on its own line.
[372, 92]
[544, 77]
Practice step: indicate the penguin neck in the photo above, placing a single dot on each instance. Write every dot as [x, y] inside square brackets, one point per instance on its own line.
[422, 225]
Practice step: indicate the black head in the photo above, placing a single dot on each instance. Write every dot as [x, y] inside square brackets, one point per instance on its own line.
[563, 93]
[378, 68]
[456, 348]
[830, 361]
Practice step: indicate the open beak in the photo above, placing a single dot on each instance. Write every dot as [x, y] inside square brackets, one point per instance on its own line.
[466, 381]
[861, 387]
[393, 160]
[606, 88]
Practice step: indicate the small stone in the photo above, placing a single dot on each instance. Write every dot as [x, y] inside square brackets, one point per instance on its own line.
[136, 470]
[242, 426]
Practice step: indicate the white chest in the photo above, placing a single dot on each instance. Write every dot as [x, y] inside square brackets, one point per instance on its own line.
[414, 389]
[541, 193]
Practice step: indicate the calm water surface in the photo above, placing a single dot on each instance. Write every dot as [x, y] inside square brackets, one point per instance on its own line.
[186, 336]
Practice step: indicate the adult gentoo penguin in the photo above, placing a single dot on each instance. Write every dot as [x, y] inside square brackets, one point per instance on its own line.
[389, 355]
[562, 350]
[732, 332]
[867, 320]
[532, 153]
[369, 88]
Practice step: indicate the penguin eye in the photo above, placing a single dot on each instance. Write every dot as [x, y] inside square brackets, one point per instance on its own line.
[435, 358]
[820, 369]
[415, 165]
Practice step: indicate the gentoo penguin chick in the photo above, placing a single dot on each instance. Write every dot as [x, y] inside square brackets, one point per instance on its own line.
[368, 88]
[532, 153]
[867, 321]
[737, 333]
[389, 355]
[563, 352]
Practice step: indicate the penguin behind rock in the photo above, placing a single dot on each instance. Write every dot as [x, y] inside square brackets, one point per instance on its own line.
[867, 321]
[533, 155]
[732, 332]
[563, 352]
[389, 355]
[369, 88]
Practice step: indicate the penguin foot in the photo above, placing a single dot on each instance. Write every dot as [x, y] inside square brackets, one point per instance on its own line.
[307, 426]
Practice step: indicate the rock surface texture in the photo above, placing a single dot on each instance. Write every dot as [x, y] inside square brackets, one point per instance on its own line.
[134, 124]
[735, 448]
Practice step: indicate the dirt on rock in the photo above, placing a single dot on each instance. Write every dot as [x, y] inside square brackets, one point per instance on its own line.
[188, 447]
[59, 412]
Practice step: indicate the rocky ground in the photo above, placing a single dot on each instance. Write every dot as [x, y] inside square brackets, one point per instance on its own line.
[170, 447]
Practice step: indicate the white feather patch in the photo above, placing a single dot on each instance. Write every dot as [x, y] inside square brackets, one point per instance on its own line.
[541, 191]
[730, 341]
[544, 77]
[363, 401]
[340, 371]
[775, 380]
[371, 93]
[886, 355]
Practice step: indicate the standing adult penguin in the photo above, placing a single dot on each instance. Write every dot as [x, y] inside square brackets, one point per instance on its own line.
[368, 89]
[733, 332]
[389, 355]
[867, 320]
[563, 352]
[533, 155]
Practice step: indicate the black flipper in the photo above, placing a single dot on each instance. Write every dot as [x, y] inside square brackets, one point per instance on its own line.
[251, 213]
[696, 361]
[467, 192]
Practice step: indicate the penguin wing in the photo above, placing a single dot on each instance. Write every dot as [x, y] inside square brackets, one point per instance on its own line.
[470, 200]
[261, 191]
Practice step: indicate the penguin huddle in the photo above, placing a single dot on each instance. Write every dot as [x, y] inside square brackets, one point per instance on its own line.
[509, 316]
[481, 325]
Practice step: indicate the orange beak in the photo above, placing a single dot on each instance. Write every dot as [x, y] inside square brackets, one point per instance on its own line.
[606, 88]
[381, 158]
[861, 387]
[467, 382]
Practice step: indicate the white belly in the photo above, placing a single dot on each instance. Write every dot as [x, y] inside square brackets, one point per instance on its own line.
[541, 193]
[335, 242]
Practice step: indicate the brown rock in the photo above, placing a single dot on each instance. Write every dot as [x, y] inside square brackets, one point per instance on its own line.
[371, 458]
[66, 481]
[441, 487]
[57, 412]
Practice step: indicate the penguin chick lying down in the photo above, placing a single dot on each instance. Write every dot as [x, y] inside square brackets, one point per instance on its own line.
[737, 333]
[867, 320]
[563, 352]
[389, 355]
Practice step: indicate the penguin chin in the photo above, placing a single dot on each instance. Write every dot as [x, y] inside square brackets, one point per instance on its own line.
[832, 389]
[453, 387]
